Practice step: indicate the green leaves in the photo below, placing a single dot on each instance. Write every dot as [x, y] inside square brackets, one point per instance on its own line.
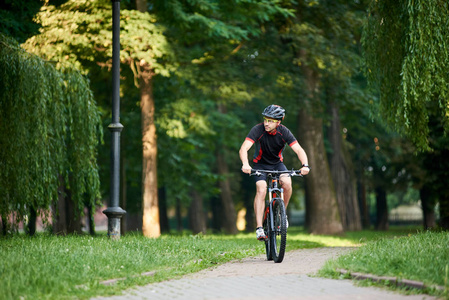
[51, 128]
[80, 32]
[406, 51]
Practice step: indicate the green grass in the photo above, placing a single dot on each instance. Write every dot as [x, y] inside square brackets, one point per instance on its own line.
[422, 257]
[50, 267]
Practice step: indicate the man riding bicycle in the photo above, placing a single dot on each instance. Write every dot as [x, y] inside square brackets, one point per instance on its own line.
[270, 138]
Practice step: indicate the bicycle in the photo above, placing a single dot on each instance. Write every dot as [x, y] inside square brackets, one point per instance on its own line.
[275, 218]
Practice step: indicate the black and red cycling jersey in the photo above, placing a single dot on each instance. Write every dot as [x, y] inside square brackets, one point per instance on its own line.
[270, 145]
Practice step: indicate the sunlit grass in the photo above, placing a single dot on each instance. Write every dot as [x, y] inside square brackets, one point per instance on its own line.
[422, 257]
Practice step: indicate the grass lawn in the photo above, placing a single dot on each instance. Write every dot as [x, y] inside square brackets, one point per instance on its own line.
[49, 267]
[422, 257]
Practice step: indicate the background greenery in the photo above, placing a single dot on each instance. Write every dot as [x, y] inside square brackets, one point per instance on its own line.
[214, 67]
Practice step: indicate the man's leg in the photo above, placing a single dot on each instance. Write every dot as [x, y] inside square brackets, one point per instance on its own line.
[259, 201]
[286, 184]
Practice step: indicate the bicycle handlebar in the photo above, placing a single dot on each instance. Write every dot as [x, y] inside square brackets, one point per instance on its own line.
[255, 172]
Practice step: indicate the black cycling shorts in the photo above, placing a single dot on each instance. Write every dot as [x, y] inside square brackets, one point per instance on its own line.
[277, 167]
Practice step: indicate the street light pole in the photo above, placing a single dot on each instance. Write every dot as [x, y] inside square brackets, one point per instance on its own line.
[114, 212]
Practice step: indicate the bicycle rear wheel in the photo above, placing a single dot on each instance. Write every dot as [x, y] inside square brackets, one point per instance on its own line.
[279, 236]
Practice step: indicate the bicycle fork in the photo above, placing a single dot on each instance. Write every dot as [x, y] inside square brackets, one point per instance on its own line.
[272, 197]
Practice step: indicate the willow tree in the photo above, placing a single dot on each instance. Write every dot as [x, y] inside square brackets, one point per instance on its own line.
[50, 130]
[406, 47]
[406, 50]
[81, 32]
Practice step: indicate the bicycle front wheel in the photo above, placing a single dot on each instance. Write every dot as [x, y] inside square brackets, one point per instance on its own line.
[279, 235]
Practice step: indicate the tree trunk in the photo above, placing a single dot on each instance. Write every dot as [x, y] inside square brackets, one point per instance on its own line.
[322, 216]
[151, 226]
[141, 5]
[382, 209]
[4, 224]
[60, 210]
[364, 212]
[227, 203]
[444, 212]
[229, 215]
[343, 175]
[150, 206]
[217, 213]
[90, 218]
[248, 201]
[32, 221]
[179, 215]
[165, 226]
[428, 208]
[73, 216]
[197, 219]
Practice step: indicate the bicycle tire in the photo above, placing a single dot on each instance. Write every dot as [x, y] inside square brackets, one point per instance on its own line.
[279, 236]
[267, 230]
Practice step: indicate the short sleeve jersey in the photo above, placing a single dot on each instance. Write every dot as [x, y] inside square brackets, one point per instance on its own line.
[269, 146]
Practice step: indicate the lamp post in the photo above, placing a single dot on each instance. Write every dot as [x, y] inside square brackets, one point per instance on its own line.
[114, 212]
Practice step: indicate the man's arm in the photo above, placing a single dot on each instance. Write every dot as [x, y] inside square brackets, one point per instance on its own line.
[302, 156]
[246, 168]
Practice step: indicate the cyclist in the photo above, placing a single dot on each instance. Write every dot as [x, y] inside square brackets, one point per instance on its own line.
[270, 138]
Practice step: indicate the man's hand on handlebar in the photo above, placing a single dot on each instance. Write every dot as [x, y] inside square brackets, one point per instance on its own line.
[246, 168]
[305, 170]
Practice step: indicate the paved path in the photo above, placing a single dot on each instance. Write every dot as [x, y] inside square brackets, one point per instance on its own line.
[257, 278]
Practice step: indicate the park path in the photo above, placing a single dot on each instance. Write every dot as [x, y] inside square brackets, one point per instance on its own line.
[256, 278]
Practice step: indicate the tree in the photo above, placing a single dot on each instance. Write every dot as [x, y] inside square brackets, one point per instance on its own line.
[405, 46]
[406, 57]
[51, 128]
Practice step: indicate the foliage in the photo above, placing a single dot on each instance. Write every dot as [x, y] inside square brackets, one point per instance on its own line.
[17, 18]
[218, 21]
[80, 32]
[406, 54]
[197, 105]
[222, 62]
[50, 129]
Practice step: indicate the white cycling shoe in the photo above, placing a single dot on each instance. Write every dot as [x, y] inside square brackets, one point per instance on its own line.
[260, 233]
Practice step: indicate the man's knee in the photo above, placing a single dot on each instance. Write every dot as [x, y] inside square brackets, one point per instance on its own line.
[287, 186]
[261, 188]
[286, 183]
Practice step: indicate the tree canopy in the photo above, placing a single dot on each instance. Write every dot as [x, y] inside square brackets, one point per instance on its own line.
[406, 53]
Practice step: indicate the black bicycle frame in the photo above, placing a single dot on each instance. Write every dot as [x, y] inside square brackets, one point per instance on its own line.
[274, 192]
